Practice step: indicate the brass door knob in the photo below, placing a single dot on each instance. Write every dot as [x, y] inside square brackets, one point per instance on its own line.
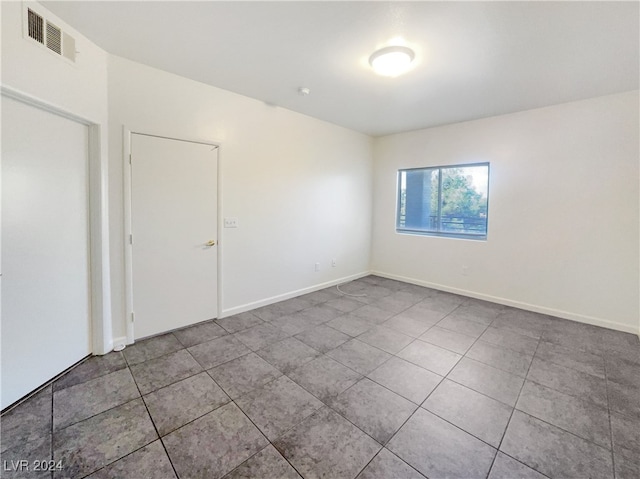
[210, 243]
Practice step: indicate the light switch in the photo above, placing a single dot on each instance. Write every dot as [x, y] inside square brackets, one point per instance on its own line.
[231, 222]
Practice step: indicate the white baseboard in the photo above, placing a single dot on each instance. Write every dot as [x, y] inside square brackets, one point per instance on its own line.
[472, 294]
[581, 318]
[281, 297]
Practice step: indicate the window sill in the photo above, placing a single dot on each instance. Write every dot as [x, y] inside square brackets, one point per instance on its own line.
[472, 237]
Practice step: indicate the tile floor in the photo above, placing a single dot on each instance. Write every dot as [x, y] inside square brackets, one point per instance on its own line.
[403, 382]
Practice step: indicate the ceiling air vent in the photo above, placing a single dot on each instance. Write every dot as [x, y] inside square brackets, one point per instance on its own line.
[46, 33]
[35, 24]
[54, 38]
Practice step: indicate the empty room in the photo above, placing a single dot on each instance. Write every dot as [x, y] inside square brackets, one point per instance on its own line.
[320, 239]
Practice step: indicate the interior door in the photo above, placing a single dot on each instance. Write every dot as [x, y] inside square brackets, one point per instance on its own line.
[174, 226]
[45, 253]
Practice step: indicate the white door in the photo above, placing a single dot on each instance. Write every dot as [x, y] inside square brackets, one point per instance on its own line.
[174, 225]
[45, 260]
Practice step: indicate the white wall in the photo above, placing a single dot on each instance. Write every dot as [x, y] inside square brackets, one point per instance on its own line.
[563, 210]
[31, 72]
[300, 187]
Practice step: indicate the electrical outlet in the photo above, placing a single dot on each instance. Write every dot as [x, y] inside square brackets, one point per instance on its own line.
[231, 222]
[333, 262]
[317, 267]
[465, 271]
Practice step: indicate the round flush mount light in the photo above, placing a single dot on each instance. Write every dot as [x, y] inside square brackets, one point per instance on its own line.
[391, 61]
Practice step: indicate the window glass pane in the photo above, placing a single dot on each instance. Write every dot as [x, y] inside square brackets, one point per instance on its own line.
[418, 199]
[464, 200]
[402, 199]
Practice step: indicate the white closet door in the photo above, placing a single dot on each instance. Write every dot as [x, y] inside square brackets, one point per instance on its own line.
[174, 224]
[45, 261]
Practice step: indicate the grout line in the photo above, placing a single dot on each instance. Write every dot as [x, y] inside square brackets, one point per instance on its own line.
[52, 437]
[270, 443]
[514, 409]
[129, 365]
[573, 395]
[400, 459]
[101, 374]
[268, 440]
[528, 357]
[613, 455]
[324, 404]
[519, 461]
[479, 392]
[114, 407]
[397, 393]
[362, 376]
[191, 420]
[164, 448]
[350, 422]
[463, 430]
[367, 464]
[174, 381]
[155, 428]
[249, 351]
[564, 430]
[98, 413]
[240, 330]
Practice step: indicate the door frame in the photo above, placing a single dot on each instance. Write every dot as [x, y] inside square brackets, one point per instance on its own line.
[99, 287]
[128, 224]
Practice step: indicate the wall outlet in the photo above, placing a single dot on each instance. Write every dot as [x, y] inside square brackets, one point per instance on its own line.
[231, 222]
[333, 262]
[465, 271]
[317, 267]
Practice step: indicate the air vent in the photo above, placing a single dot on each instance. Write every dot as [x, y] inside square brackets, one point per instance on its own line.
[44, 32]
[36, 24]
[54, 38]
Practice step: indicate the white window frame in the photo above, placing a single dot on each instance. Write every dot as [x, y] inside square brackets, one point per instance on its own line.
[443, 233]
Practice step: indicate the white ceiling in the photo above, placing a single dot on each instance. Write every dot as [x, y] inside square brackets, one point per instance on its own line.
[473, 59]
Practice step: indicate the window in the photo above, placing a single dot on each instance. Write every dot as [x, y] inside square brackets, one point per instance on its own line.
[444, 201]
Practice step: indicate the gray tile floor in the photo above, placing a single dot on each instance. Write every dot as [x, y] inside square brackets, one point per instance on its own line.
[401, 382]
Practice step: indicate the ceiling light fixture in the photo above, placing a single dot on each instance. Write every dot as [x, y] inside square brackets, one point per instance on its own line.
[391, 61]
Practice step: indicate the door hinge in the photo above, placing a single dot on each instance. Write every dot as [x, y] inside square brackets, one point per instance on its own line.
[133, 316]
[130, 239]
[129, 158]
